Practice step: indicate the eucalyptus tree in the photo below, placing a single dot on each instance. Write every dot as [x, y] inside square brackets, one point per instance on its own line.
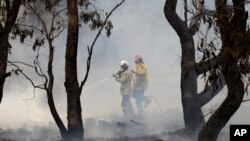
[51, 20]
[229, 59]
[8, 13]
[192, 100]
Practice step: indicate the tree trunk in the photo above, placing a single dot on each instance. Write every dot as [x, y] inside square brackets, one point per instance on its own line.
[233, 33]
[193, 116]
[227, 109]
[192, 102]
[75, 125]
[4, 47]
[59, 122]
[11, 14]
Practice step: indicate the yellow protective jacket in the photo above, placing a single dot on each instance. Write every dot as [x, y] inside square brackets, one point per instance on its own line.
[141, 77]
[126, 81]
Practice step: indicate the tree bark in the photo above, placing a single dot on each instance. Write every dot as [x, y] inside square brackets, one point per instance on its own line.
[227, 109]
[4, 45]
[192, 102]
[12, 12]
[49, 91]
[212, 91]
[193, 116]
[233, 38]
[75, 125]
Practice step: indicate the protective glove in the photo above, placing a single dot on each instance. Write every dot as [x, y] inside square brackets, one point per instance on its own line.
[132, 71]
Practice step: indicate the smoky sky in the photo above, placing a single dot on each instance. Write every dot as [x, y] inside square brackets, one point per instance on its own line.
[140, 27]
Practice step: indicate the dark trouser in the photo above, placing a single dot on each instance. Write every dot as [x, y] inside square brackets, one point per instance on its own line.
[138, 95]
[126, 105]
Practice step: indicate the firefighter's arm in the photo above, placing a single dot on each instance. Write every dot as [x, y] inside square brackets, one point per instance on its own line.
[124, 78]
[141, 70]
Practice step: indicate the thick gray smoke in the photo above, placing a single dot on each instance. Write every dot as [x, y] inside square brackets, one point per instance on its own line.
[139, 28]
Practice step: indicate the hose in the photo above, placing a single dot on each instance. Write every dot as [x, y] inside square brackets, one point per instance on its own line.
[156, 102]
[90, 87]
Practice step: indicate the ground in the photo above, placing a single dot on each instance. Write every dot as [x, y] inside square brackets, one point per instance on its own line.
[157, 127]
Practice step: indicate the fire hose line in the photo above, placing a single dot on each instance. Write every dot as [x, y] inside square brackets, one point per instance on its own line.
[104, 80]
[90, 87]
[156, 102]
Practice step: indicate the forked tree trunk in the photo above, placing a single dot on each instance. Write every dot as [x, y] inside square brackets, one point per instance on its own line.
[75, 125]
[234, 38]
[227, 109]
[192, 101]
[193, 116]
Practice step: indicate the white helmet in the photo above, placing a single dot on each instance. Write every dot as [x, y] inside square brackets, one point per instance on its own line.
[124, 62]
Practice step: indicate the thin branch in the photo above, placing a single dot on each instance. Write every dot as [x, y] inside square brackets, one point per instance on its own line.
[53, 21]
[90, 50]
[33, 10]
[58, 33]
[18, 62]
[28, 78]
[246, 100]
[30, 26]
[39, 70]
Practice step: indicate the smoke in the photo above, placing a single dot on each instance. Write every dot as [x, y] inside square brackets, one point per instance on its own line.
[140, 27]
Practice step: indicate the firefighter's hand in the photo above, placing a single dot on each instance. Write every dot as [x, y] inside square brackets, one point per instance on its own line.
[132, 71]
[113, 75]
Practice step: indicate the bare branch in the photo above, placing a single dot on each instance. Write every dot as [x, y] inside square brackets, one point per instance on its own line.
[39, 70]
[53, 21]
[90, 50]
[33, 10]
[247, 100]
[18, 62]
[26, 76]
[30, 26]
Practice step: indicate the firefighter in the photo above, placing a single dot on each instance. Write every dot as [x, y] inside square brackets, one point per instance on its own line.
[125, 78]
[140, 84]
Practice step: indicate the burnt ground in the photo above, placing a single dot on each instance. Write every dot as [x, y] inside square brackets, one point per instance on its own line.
[158, 127]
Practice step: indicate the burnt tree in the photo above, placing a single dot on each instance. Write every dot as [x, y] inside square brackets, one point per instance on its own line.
[48, 32]
[10, 9]
[233, 59]
[192, 101]
[73, 88]
[75, 125]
